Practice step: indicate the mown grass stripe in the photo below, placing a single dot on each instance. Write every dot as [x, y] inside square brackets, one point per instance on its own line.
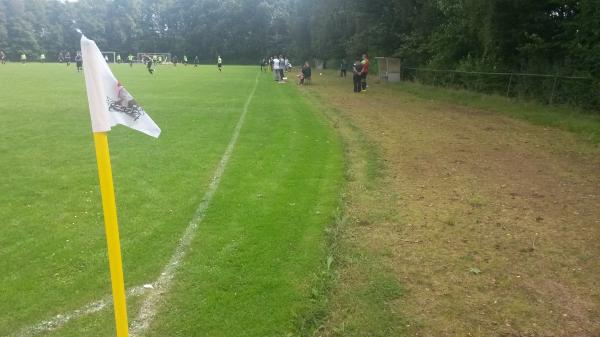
[162, 285]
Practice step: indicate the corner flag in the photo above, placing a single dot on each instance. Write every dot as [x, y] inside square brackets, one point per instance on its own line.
[110, 103]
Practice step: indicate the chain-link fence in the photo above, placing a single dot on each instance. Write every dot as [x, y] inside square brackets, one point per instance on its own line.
[551, 89]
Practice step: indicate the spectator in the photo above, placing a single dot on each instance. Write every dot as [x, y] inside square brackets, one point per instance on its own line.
[276, 69]
[365, 71]
[281, 67]
[306, 73]
[343, 68]
[357, 68]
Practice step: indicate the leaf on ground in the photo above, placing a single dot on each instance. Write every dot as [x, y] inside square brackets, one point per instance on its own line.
[475, 270]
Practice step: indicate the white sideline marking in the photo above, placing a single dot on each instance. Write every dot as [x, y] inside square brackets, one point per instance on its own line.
[163, 283]
[62, 319]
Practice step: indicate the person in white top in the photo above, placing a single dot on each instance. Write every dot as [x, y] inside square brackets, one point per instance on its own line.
[219, 62]
[276, 69]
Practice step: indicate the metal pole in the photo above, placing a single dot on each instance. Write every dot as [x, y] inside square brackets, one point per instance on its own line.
[509, 83]
[553, 89]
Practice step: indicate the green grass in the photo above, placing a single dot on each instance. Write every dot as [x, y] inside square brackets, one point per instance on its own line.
[259, 250]
[585, 124]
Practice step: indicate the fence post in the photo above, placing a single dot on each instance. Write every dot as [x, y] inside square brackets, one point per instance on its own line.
[553, 89]
[509, 83]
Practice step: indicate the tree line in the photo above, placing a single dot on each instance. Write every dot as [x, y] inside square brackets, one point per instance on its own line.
[543, 36]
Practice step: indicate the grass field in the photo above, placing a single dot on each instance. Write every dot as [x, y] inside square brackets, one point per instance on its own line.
[254, 268]
[405, 210]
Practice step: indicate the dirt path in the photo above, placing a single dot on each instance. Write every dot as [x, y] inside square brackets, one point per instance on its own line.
[491, 225]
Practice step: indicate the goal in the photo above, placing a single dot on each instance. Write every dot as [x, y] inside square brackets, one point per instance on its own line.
[110, 56]
[165, 57]
[389, 69]
[319, 64]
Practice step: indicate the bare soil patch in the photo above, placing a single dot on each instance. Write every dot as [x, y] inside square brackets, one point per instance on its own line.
[492, 225]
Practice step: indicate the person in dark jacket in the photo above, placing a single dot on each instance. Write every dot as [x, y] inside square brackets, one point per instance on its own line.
[306, 72]
[343, 68]
[357, 69]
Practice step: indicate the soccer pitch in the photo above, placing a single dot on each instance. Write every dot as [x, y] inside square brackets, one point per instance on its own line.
[259, 250]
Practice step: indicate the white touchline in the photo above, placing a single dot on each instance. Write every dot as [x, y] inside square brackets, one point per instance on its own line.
[162, 284]
[62, 319]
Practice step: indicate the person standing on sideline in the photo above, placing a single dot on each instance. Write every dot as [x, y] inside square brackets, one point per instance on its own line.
[343, 68]
[196, 61]
[281, 67]
[357, 68]
[2, 57]
[23, 58]
[219, 62]
[119, 60]
[43, 58]
[185, 60]
[61, 57]
[68, 58]
[174, 60]
[79, 61]
[365, 71]
[276, 69]
[306, 73]
[130, 59]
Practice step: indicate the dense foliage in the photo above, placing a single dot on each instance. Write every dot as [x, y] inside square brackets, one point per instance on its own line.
[549, 36]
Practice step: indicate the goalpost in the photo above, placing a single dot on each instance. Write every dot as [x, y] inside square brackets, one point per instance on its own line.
[319, 64]
[111, 55]
[389, 69]
[165, 57]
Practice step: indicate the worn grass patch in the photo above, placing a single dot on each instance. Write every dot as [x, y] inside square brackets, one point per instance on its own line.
[487, 221]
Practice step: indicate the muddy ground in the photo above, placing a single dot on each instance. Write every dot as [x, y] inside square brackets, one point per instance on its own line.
[491, 225]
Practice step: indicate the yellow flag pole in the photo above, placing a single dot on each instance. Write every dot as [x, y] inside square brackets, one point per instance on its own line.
[112, 232]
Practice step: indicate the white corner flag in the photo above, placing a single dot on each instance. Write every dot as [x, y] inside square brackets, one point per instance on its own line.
[110, 103]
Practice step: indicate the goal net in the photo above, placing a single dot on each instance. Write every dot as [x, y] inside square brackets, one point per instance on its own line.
[389, 69]
[110, 56]
[156, 57]
[319, 64]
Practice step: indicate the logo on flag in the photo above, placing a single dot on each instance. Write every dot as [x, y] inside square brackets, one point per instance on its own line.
[125, 104]
[110, 103]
